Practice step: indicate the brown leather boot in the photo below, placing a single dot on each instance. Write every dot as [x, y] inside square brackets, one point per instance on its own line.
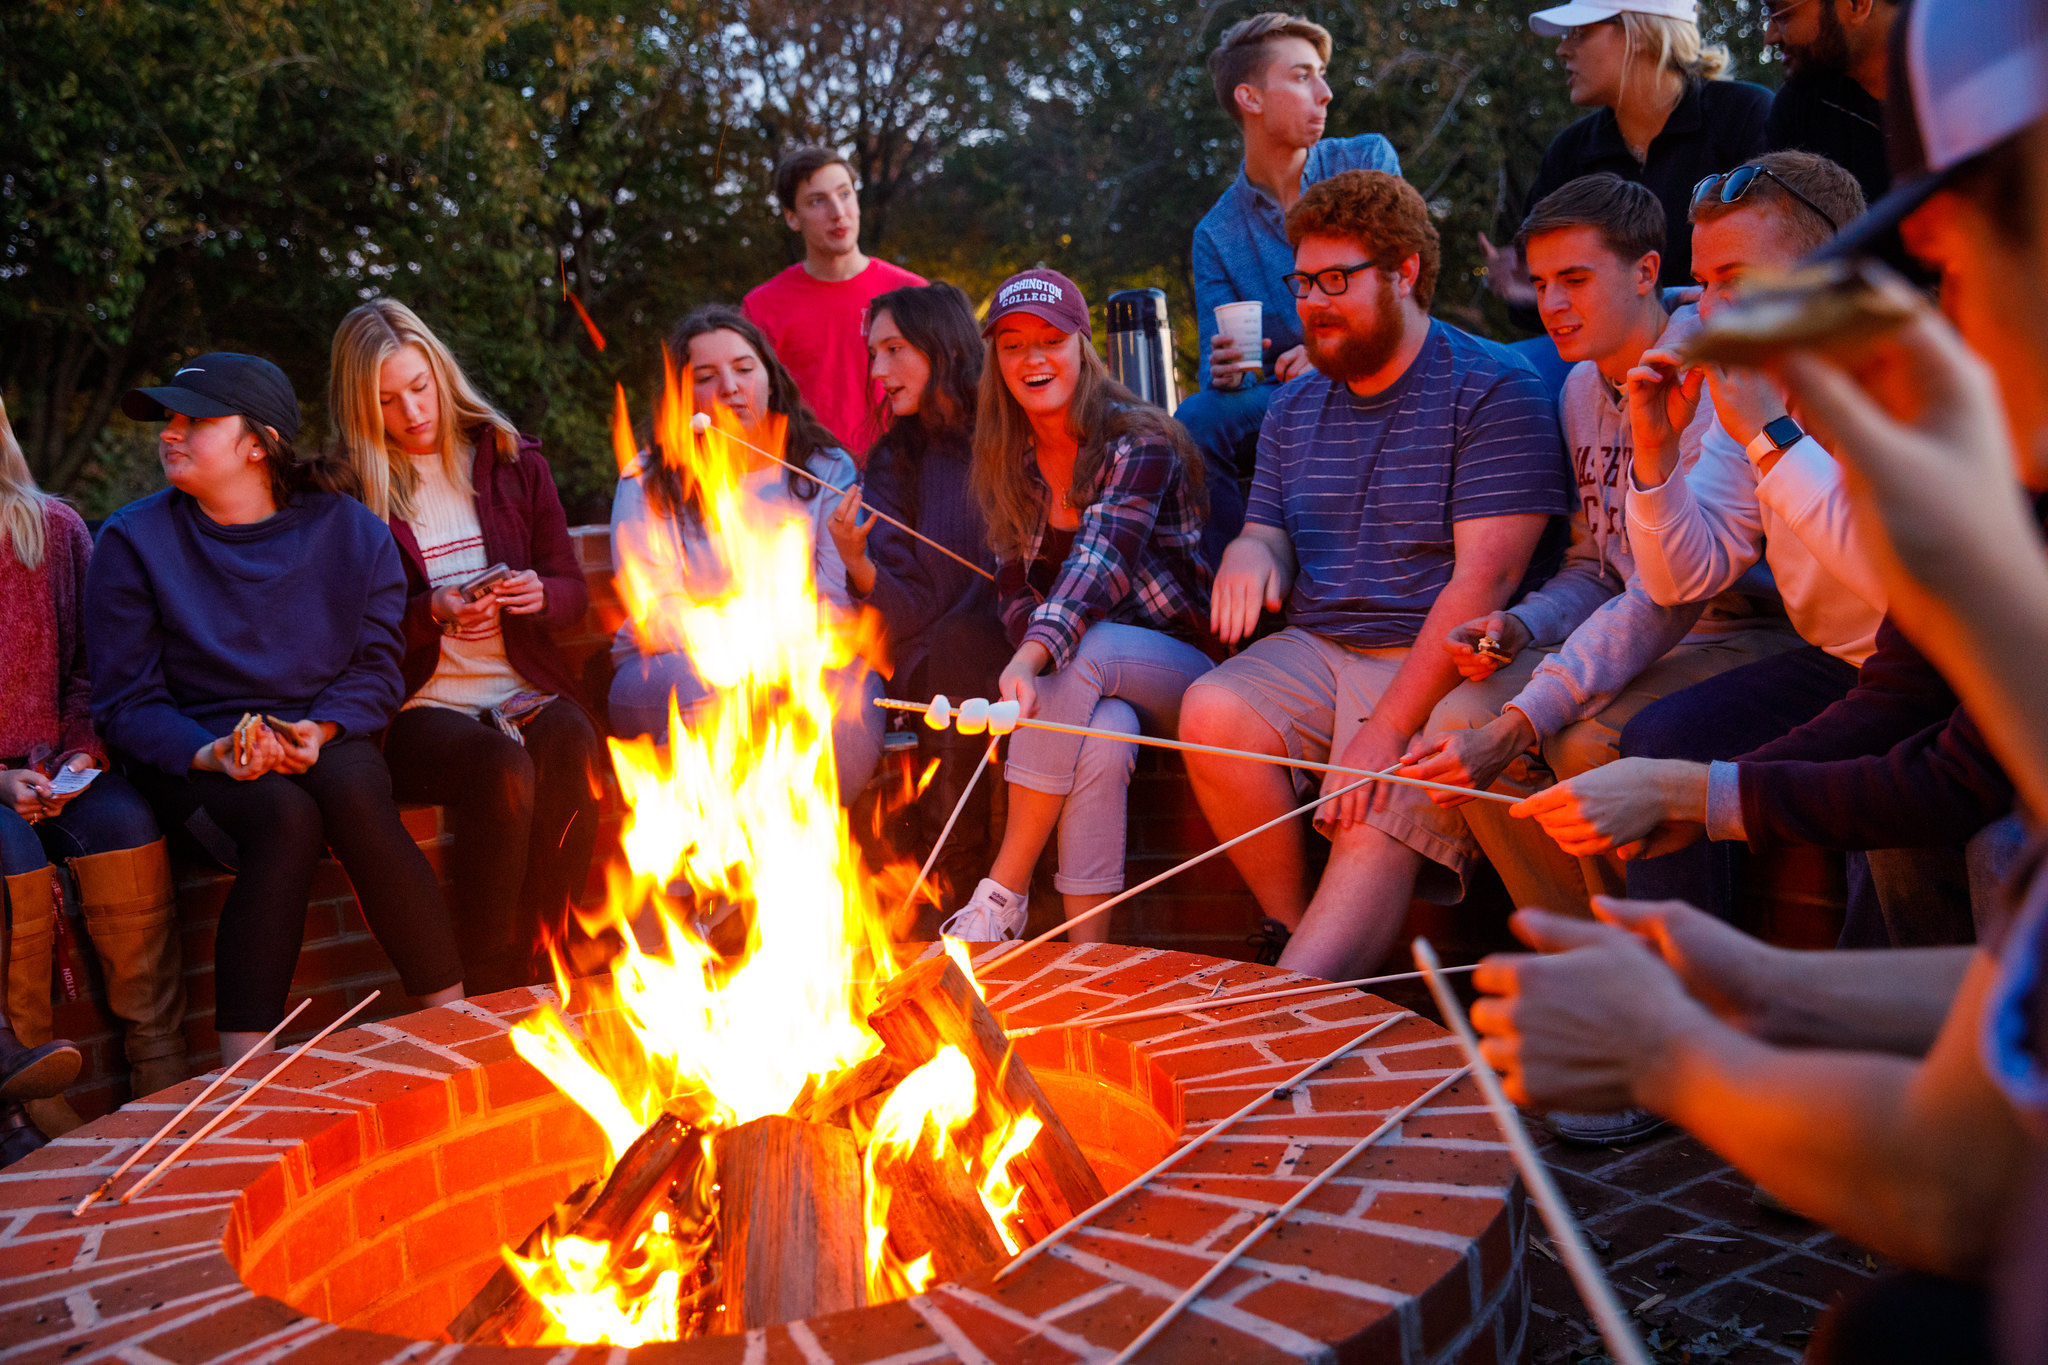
[131, 916]
[31, 952]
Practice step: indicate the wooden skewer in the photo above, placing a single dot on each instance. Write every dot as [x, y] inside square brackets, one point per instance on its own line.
[216, 1083]
[1592, 1285]
[1120, 897]
[932, 858]
[1208, 1135]
[701, 423]
[1211, 1002]
[1279, 760]
[1273, 1217]
[162, 1166]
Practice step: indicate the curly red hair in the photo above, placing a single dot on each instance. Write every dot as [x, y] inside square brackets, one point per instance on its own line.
[1382, 212]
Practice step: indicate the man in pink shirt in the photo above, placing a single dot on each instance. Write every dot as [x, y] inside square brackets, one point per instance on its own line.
[814, 311]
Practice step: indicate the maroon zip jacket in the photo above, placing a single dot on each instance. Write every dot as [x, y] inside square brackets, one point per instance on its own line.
[524, 527]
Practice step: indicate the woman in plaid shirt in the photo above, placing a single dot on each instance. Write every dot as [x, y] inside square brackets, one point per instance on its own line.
[1093, 500]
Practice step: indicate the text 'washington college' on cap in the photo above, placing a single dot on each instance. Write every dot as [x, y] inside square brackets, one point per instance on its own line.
[1579, 13]
[1964, 78]
[221, 384]
[1044, 294]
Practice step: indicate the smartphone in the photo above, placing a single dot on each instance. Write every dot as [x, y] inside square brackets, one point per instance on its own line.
[478, 584]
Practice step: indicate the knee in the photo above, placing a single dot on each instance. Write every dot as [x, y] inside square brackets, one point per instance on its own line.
[1667, 728]
[1581, 748]
[1104, 760]
[1215, 715]
[1464, 707]
[503, 779]
[292, 828]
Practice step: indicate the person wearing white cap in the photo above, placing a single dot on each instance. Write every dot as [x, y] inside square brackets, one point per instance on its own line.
[1663, 113]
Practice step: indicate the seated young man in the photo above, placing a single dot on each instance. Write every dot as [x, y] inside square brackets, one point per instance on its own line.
[1590, 648]
[1762, 489]
[1268, 73]
[1401, 489]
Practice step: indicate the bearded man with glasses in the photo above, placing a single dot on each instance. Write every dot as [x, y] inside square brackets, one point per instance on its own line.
[1832, 100]
[1400, 488]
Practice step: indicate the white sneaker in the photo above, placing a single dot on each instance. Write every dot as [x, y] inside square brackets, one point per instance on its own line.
[993, 914]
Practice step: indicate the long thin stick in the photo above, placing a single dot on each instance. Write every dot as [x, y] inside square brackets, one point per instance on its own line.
[216, 1083]
[139, 1186]
[932, 858]
[1212, 1002]
[1208, 1135]
[1273, 1218]
[1120, 897]
[1278, 760]
[701, 423]
[1564, 1230]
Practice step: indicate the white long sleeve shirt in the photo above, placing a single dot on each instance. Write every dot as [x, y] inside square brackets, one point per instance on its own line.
[1697, 533]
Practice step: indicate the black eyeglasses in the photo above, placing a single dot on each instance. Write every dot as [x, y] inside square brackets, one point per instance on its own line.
[1736, 183]
[1332, 282]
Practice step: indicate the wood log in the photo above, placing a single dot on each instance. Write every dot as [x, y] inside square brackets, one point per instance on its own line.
[933, 1004]
[933, 1209]
[791, 1223]
[503, 1313]
[840, 1097]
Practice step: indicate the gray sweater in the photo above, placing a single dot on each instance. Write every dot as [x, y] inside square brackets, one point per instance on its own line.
[1595, 607]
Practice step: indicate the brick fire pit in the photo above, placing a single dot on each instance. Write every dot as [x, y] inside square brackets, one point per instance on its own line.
[349, 1211]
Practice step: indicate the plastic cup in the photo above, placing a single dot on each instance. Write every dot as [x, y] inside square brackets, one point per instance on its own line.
[1244, 324]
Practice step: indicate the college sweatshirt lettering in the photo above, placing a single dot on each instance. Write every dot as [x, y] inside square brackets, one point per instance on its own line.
[190, 623]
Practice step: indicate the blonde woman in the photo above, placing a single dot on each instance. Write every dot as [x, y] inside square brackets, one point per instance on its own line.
[104, 833]
[490, 728]
[1663, 113]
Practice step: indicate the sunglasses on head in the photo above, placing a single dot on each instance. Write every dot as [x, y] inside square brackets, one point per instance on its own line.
[1738, 182]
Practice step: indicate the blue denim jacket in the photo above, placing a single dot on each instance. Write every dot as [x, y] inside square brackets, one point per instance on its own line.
[1241, 246]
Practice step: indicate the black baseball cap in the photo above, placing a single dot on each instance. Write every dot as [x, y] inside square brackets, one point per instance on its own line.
[221, 384]
[1964, 78]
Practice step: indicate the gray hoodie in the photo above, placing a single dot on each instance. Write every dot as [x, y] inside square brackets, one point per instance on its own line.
[1595, 606]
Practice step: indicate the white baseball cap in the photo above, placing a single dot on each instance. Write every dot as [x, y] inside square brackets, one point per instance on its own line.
[1553, 22]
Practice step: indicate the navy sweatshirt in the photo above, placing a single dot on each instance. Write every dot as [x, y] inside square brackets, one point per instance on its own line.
[915, 585]
[190, 623]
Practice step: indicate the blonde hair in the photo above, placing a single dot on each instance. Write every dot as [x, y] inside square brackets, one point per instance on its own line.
[367, 337]
[23, 506]
[1677, 45]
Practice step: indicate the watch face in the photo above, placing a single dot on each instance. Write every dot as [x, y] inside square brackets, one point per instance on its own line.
[1783, 432]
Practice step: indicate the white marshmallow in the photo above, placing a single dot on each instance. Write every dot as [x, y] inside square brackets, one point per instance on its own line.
[1002, 717]
[973, 716]
[940, 713]
[701, 423]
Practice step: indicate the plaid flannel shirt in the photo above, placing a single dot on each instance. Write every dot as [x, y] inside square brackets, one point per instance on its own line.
[1135, 558]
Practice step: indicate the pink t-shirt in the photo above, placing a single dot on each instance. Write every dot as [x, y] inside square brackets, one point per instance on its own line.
[815, 326]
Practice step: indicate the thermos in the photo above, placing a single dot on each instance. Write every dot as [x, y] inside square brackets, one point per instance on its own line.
[1141, 345]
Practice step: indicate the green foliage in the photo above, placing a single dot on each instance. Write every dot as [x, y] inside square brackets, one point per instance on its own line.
[182, 175]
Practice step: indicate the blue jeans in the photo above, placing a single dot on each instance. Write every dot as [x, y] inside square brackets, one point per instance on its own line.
[1722, 718]
[1120, 677]
[641, 689]
[1225, 426]
[107, 816]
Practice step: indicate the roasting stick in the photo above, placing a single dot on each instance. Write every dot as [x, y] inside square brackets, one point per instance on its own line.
[1272, 1218]
[1120, 897]
[1592, 1285]
[932, 858]
[1280, 760]
[1210, 1002]
[701, 423]
[1175, 1157]
[162, 1166]
[216, 1083]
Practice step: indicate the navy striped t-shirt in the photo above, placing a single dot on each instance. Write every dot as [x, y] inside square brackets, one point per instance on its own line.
[1367, 488]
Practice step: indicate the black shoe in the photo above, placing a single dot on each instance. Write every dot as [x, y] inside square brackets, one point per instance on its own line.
[37, 1073]
[18, 1136]
[1618, 1129]
[1268, 942]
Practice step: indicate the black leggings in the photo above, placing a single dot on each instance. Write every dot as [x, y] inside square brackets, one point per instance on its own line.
[524, 819]
[281, 825]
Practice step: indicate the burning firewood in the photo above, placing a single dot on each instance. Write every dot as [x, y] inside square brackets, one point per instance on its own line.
[854, 1093]
[934, 1210]
[668, 1154]
[932, 1005]
[790, 1227]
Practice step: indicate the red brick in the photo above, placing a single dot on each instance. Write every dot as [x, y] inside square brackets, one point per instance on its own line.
[472, 1156]
[317, 1232]
[1360, 1329]
[394, 1191]
[233, 1326]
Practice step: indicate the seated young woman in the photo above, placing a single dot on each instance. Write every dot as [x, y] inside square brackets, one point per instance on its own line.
[938, 615]
[104, 833]
[658, 521]
[1094, 503]
[254, 586]
[491, 728]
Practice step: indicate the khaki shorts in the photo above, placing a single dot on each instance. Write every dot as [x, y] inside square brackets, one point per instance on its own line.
[1315, 694]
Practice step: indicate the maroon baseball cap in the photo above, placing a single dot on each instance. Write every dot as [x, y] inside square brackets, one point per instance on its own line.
[1045, 294]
